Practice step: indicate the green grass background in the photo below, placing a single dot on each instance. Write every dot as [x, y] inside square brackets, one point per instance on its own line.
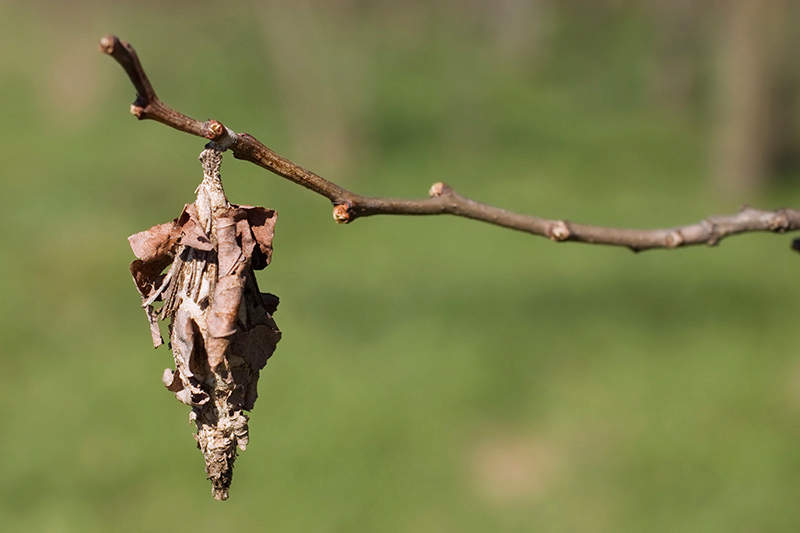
[436, 374]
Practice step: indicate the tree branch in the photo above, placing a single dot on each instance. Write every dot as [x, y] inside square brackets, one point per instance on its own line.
[442, 199]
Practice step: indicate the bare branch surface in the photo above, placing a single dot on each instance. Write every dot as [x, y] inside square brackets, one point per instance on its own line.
[442, 199]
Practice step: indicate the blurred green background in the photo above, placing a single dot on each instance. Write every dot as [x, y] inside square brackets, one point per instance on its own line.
[436, 374]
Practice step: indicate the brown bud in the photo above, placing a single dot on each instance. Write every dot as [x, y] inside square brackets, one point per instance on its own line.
[674, 239]
[107, 44]
[213, 129]
[559, 231]
[341, 214]
[779, 222]
[438, 189]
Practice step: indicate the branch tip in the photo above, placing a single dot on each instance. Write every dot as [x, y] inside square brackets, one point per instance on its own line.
[107, 43]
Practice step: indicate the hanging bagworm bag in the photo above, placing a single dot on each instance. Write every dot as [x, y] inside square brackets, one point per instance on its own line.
[198, 272]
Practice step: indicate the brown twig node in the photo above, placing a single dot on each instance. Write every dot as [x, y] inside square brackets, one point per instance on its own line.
[201, 268]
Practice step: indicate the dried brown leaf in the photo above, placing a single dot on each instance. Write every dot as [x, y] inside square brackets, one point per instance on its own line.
[262, 224]
[154, 243]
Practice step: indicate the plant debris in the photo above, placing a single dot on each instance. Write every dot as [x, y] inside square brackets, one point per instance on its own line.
[200, 267]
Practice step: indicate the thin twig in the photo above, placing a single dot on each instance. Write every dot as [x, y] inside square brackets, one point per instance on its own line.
[442, 199]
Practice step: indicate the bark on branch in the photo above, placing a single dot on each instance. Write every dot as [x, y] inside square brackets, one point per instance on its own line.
[442, 199]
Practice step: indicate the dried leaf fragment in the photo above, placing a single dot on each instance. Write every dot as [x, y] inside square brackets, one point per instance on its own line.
[201, 267]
